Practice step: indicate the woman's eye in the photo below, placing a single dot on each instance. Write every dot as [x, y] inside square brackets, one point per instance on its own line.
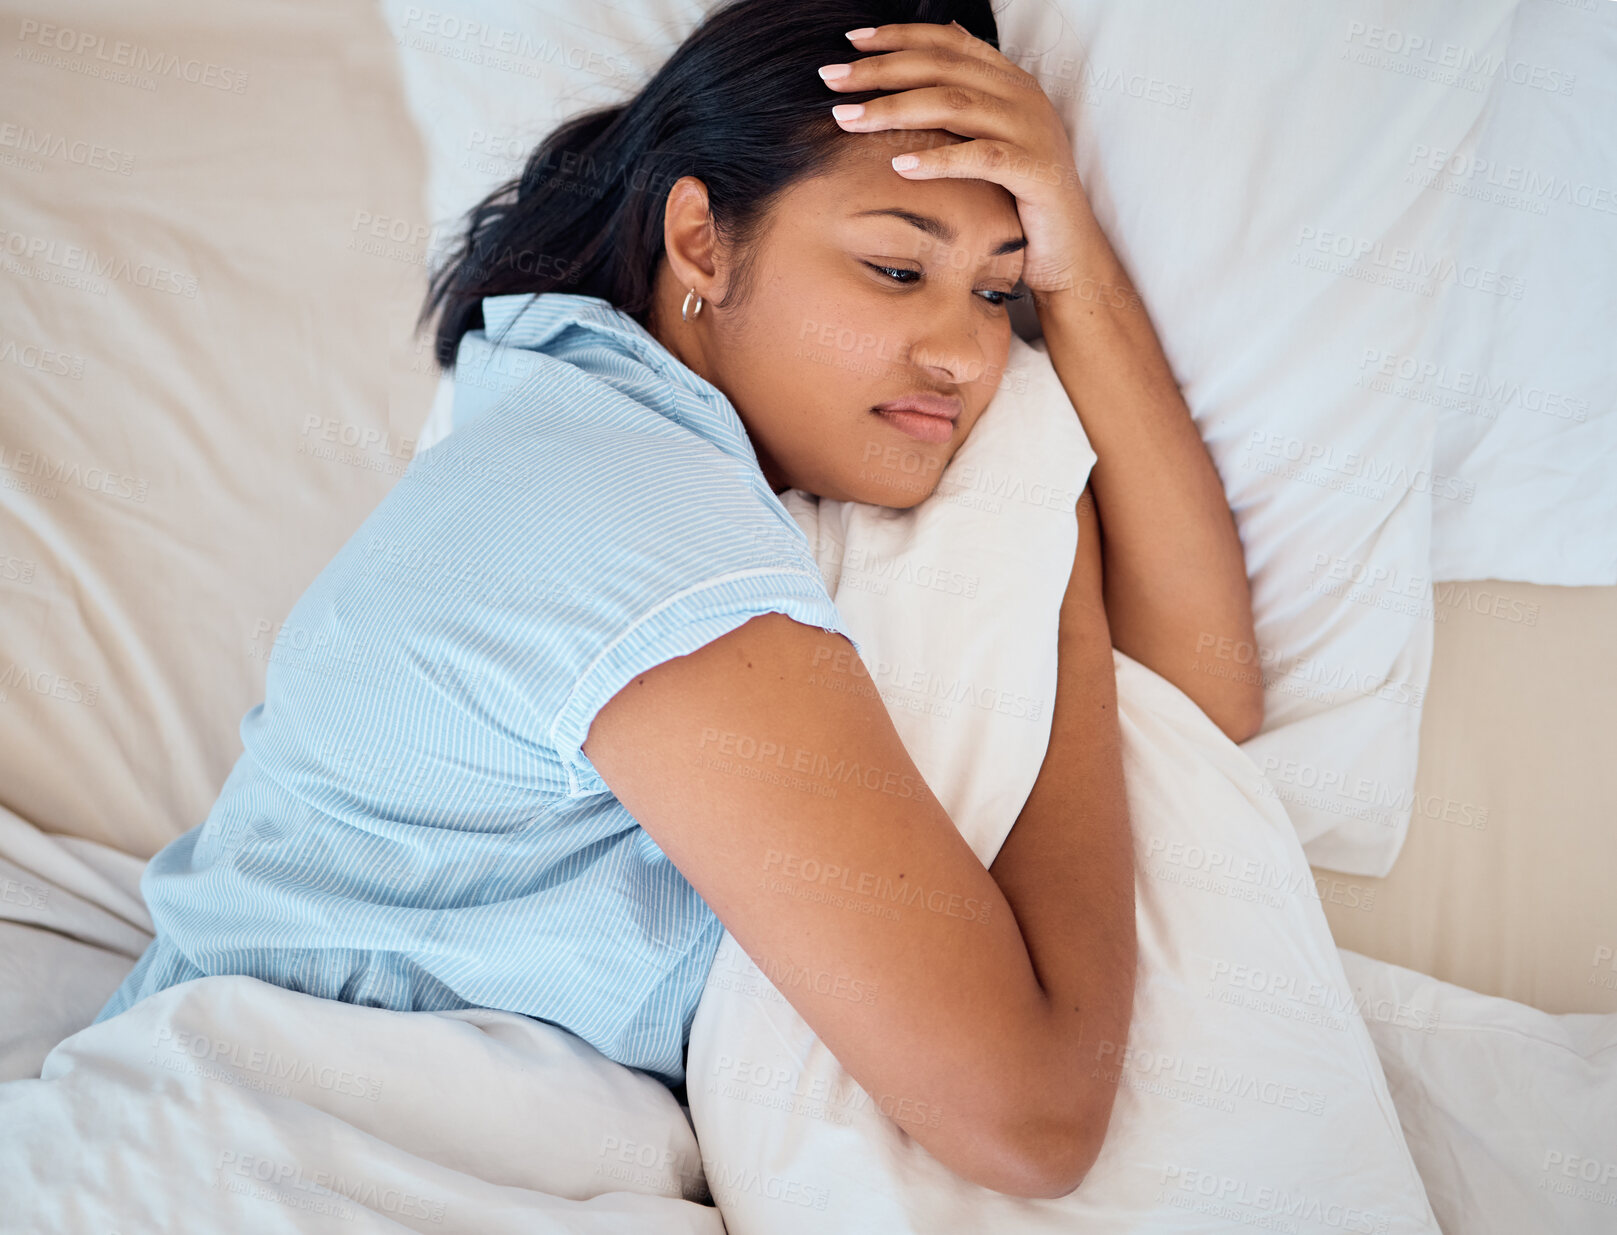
[894, 272]
[900, 274]
[1004, 297]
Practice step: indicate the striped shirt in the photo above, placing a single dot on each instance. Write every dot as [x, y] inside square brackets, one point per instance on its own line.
[412, 823]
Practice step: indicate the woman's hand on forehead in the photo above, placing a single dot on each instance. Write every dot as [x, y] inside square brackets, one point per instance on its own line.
[946, 78]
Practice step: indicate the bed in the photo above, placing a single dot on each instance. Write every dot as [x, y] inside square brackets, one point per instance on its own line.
[215, 233]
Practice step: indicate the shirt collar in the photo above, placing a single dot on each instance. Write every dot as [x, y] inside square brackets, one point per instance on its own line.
[532, 321]
[529, 320]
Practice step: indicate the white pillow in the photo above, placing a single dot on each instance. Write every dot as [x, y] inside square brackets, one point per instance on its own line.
[1234, 154]
[487, 80]
[1251, 1091]
[1524, 386]
[1510, 1112]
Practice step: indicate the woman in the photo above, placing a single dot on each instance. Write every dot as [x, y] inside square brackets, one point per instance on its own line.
[484, 772]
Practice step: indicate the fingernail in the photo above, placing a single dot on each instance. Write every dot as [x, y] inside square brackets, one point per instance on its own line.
[848, 111]
[864, 32]
[903, 162]
[831, 72]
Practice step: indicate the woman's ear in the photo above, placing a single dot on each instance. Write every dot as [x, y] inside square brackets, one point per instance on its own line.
[690, 240]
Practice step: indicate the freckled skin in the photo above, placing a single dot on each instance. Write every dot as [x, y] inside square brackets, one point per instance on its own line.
[822, 337]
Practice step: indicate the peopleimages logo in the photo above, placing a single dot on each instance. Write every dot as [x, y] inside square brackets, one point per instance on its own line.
[41, 359]
[909, 893]
[1454, 64]
[500, 47]
[51, 474]
[1472, 391]
[1510, 179]
[80, 260]
[269, 1064]
[1379, 474]
[26, 141]
[86, 44]
[321, 1188]
[1243, 1198]
[1401, 265]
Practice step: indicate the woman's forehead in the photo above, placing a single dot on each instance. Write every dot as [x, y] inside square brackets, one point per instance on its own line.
[862, 177]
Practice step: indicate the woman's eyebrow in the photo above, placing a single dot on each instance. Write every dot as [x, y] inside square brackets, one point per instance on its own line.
[940, 229]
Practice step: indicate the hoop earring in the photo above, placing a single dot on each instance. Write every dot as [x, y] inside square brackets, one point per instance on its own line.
[685, 310]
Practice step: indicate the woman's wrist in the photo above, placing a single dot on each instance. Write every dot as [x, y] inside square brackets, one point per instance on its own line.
[1094, 289]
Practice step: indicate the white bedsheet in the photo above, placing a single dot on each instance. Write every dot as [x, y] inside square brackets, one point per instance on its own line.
[228, 1104]
[1510, 1112]
[72, 924]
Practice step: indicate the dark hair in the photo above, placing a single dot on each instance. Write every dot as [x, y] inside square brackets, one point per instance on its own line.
[736, 105]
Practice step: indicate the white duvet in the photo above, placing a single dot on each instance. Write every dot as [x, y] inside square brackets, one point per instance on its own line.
[227, 1104]
[230, 1105]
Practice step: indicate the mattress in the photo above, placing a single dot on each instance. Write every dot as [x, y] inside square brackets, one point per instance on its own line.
[1506, 883]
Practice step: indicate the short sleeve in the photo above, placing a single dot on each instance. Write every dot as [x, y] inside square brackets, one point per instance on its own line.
[607, 510]
[677, 626]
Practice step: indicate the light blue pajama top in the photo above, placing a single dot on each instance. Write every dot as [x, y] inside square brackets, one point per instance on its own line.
[412, 824]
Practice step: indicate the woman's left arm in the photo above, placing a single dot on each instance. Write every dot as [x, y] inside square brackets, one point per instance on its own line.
[1177, 595]
[1176, 590]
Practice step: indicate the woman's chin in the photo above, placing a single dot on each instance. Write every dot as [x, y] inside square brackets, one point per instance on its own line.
[898, 492]
[900, 489]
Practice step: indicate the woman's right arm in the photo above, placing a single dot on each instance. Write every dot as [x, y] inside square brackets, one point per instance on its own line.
[766, 767]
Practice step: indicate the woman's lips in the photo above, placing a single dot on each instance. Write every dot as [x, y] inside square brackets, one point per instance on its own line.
[919, 425]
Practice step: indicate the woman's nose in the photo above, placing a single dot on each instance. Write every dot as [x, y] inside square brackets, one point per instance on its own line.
[949, 347]
[956, 362]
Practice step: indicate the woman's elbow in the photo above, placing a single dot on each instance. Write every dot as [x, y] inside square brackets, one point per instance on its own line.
[1059, 1157]
[1046, 1153]
[1241, 716]
[1234, 704]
